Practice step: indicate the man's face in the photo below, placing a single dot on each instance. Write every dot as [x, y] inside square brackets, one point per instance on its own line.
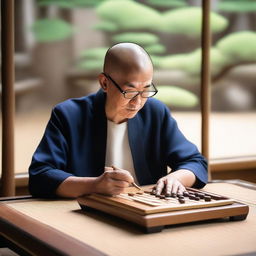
[118, 108]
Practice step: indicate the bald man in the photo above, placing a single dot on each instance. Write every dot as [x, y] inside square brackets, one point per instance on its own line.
[104, 142]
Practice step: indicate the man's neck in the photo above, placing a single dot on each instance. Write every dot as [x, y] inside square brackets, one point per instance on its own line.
[113, 116]
[116, 119]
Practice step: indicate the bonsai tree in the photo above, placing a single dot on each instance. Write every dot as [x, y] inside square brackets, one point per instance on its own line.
[70, 4]
[127, 20]
[176, 96]
[116, 18]
[228, 52]
[117, 21]
[50, 30]
[166, 4]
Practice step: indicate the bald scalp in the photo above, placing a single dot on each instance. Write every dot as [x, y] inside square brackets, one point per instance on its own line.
[125, 58]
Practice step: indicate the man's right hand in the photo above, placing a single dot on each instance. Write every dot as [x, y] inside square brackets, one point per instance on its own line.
[113, 181]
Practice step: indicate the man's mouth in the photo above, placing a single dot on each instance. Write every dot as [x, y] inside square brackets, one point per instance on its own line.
[132, 109]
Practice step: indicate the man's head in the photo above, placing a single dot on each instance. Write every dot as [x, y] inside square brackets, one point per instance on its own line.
[128, 67]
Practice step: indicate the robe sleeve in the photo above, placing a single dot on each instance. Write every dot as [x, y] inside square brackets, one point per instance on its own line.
[49, 161]
[181, 153]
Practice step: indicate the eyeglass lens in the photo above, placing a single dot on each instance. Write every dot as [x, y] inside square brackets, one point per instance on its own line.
[144, 94]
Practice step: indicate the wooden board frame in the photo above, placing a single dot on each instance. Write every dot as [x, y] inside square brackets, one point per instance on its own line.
[156, 221]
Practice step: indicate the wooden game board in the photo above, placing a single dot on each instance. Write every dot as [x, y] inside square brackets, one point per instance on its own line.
[153, 213]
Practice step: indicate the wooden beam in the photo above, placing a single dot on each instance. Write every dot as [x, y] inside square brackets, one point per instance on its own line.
[8, 98]
[233, 164]
[205, 79]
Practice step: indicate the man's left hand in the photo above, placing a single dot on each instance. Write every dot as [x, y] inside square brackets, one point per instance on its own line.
[169, 184]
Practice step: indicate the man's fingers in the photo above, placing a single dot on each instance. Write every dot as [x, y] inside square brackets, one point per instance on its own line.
[120, 174]
[175, 186]
[168, 188]
[159, 187]
[108, 168]
[120, 183]
[181, 189]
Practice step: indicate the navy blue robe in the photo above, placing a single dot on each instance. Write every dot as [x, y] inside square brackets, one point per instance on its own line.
[74, 143]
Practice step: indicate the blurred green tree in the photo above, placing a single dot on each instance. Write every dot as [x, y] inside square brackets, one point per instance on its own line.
[176, 96]
[132, 21]
[237, 5]
[49, 30]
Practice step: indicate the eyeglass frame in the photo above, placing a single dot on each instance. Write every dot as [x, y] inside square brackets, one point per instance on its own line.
[124, 92]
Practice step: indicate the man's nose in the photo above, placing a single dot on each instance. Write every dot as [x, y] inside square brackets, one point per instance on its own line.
[137, 99]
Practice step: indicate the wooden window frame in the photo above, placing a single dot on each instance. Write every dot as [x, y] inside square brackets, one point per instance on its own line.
[8, 178]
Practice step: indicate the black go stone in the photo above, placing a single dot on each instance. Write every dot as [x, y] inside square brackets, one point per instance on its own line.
[207, 198]
[185, 193]
[173, 195]
[181, 200]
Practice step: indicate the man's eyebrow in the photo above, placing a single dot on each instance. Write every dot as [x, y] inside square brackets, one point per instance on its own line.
[133, 86]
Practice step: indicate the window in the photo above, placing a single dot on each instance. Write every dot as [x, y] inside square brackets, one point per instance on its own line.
[55, 59]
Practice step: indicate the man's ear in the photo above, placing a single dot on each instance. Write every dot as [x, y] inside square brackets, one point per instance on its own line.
[103, 81]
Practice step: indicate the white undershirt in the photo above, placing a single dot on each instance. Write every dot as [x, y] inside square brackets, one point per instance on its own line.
[118, 151]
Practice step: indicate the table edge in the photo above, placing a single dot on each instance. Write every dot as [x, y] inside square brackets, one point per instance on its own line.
[37, 238]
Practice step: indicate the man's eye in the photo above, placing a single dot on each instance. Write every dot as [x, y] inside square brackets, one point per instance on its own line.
[131, 91]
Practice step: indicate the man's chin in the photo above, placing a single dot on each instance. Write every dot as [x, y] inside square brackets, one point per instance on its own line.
[131, 115]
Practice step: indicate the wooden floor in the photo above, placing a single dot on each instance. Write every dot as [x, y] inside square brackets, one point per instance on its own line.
[231, 134]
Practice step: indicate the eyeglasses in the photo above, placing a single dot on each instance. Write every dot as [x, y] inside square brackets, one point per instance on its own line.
[134, 94]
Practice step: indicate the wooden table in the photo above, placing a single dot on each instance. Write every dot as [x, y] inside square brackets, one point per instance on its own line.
[60, 227]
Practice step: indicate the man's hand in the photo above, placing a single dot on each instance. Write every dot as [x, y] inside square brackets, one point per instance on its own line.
[113, 181]
[169, 184]
[175, 182]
